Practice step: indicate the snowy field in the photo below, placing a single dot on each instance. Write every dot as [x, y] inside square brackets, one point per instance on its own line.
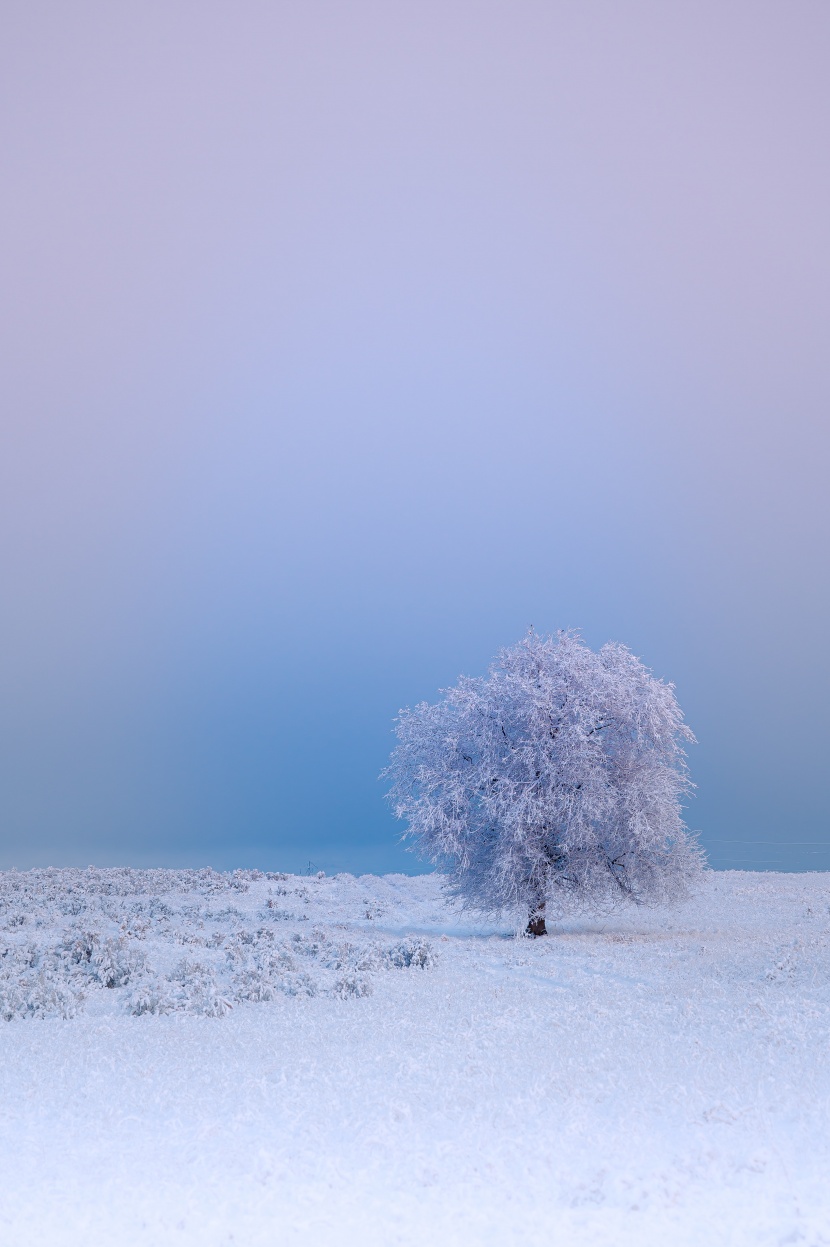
[202, 1059]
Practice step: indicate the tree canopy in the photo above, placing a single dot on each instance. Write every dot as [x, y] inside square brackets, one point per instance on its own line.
[555, 780]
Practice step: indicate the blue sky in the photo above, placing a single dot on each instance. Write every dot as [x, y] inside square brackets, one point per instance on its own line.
[341, 343]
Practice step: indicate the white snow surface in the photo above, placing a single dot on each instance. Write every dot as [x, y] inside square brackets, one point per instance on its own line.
[201, 1058]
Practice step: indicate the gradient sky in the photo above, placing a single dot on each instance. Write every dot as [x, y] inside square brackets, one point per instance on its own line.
[342, 342]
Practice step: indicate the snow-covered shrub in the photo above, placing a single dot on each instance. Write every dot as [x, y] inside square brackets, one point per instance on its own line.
[107, 959]
[262, 970]
[151, 995]
[39, 993]
[114, 964]
[298, 984]
[412, 951]
[192, 988]
[553, 781]
[69, 935]
[351, 985]
[255, 984]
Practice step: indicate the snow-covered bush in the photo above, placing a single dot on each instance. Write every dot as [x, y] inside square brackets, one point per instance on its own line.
[191, 988]
[106, 959]
[37, 993]
[414, 951]
[553, 781]
[115, 939]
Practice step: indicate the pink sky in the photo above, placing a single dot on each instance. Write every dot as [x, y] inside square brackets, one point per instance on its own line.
[342, 342]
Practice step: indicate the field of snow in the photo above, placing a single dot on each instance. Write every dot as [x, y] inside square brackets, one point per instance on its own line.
[203, 1059]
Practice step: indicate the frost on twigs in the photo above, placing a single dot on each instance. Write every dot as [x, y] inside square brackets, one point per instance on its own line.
[552, 784]
[149, 943]
[38, 993]
[191, 988]
[413, 951]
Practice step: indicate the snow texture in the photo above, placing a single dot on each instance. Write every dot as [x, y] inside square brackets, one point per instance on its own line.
[204, 1059]
[553, 783]
[161, 942]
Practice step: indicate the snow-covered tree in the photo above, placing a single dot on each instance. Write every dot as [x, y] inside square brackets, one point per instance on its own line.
[553, 782]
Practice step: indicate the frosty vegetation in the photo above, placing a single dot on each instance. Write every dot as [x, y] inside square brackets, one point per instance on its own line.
[184, 941]
[555, 781]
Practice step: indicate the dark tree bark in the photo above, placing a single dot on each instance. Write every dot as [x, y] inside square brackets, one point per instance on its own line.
[536, 924]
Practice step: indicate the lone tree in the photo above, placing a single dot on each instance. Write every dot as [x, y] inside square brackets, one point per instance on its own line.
[555, 781]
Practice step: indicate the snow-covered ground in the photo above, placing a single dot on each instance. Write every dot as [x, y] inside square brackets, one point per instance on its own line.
[250, 1059]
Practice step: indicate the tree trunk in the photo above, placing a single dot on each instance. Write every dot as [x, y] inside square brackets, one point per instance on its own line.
[536, 924]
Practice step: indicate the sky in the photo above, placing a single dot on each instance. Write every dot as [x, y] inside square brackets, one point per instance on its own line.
[341, 343]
